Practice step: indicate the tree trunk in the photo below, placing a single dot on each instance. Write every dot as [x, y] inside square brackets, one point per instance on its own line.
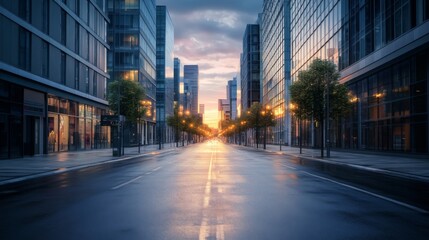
[300, 136]
[265, 137]
[322, 137]
[257, 137]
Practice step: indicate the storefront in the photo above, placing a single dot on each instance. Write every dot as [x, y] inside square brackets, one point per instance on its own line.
[33, 123]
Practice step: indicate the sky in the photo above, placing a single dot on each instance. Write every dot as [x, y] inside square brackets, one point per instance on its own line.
[210, 33]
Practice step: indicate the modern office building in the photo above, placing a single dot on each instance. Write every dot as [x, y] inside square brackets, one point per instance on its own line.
[177, 68]
[52, 76]
[275, 65]
[131, 36]
[382, 51]
[190, 75]
[250, 67]
[224, 111]
[164, 73]
[231, 90]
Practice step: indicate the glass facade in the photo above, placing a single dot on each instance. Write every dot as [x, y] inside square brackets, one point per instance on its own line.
[275, 67]
[164, 73]
[381, 50]
[232, 98]
[61, 48]
[191, 74]
[132, 39]
[250, 67]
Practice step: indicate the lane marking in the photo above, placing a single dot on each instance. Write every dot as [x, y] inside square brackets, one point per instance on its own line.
[406, 205]
[286, 166]
[135, 179]
[126, 183]
[156, 169]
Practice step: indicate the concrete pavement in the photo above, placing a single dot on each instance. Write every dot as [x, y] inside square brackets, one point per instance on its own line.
[405, 178]
[23, 169]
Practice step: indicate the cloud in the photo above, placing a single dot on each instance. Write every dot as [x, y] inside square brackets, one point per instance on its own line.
[210, 33]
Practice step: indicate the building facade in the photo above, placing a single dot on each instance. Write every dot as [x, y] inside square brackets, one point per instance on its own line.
[232, 97]
[177, 68]
[250, 67]
[164, 73]
[131, 36]
[53, 77]
[381, 49]
[224, 111]
[275, 65]
[190, 75]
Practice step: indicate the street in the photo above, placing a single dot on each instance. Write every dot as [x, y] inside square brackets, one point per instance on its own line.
[205, 191]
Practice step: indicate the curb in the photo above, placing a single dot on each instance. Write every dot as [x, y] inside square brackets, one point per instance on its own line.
[401, 186]
[15, 182]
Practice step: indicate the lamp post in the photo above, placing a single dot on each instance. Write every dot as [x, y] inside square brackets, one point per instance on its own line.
[279, 112]
[328, 130]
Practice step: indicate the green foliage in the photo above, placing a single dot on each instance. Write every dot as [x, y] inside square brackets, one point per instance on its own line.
[188, 123]
[259, 116]
[308, 92]
[129, 95]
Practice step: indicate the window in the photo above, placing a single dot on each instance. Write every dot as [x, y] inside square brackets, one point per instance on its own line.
[63, 27]
[24, 51]
[63, 68]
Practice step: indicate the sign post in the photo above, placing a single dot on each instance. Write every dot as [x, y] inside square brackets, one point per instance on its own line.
[117, 122]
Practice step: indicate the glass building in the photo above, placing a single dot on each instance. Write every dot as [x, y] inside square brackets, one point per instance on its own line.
[232, 97]
[190, 75]
[52, 76]
[177, 69]
[275, 65]
[131, 35]
[250, 67]
[382, 51]
[164, 73]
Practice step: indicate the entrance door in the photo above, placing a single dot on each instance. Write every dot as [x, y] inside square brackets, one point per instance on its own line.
[37, 136]
[29, 136]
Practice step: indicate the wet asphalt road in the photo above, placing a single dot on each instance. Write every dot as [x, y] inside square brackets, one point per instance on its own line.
[205, 191]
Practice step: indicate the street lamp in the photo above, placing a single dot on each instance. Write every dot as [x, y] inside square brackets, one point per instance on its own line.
[279, 112]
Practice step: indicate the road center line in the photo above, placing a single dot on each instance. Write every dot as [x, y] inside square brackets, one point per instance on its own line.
[126, 183]
[406, 205]
[156, 169]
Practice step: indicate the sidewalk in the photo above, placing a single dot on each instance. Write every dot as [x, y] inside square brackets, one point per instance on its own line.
[411, 166]
[27, 168]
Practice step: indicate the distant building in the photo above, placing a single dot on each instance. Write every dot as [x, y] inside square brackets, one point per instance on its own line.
[164, 73]
[201, 111]
[131, 36]
[232, 97]
[250, 67]
[177, 68]
[224, 111]
[190, 74]
[53, 77]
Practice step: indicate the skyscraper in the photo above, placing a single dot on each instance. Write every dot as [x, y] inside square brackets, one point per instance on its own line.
[275, 48]
[232, 97]
[131, 35]
[382, 51]
[224, 111]
[250, 67]
[52, 77]
[164, 73]
[191, 77]
[177, 68]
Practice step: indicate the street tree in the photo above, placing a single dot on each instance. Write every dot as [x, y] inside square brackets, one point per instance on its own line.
[175, 121]
[260, 117]
[317, 94]
[125, 98]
